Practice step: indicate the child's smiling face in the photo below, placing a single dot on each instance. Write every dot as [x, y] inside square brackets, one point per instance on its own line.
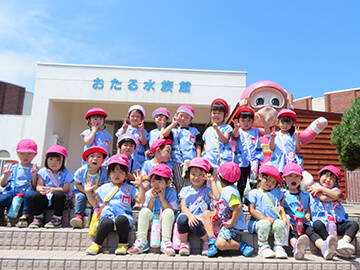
[267, 183]
[217, 117]
[328, 179]
[135, 118]
[197, 177]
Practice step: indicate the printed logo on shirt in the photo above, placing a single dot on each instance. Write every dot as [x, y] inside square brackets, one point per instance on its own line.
[253, 140]
[126, 200]
[192, 138]
[127, 191]
[221, 205]
[107, 143]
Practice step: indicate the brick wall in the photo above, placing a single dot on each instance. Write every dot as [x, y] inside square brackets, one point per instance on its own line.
[304, 103]
[338, 102]
[11, 98]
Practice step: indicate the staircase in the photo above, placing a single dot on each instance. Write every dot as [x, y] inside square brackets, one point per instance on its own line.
[65, 249]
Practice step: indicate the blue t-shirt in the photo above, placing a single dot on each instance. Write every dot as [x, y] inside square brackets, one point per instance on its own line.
[64, 176]
[81, 176]
[102, 138]
[225, 210]
[170, 196]
[262, 205]
[189, 194]
[321, 210]
[188, 138]
[119, 204]
[148, 165]
[292, 203]
[214, 148]
[23, 179]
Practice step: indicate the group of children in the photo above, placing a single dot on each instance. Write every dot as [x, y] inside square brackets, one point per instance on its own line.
[179, 177]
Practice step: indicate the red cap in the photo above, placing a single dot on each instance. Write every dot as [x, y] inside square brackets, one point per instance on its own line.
[230, 171]
[287, 112]
[93, 149]
[271, 171]
[119, 159]
[245, 109]
[222, 101]
[95, 111]
[200, 162]
[26, 146]
[161, 170]
[159, 142]
[292, 168]
[332, 169]
[57, 149]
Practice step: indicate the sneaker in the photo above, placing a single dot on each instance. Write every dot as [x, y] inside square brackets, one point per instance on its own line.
[184, 249]
[37, 223]
[166, 248]
[299, 248]
[212, 249]
[53, 223]
[121, 249]
[139, 246]
[328, 247]
[246, 249]
[93, 249]
[266, 252]
[344, 249]
[23, 222]
[280, 252]
[77, 222]
[205, 249]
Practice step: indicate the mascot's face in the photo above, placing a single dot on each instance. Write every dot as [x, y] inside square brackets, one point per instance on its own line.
[266, 98]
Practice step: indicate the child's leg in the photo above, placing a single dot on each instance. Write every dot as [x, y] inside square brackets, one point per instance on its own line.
[167, 221]
[279, 230]
[183, 227]
[262, 229]
[5, 201]
[106, 226]
[58, 201]
[241, 184]
[320, 229]
[39, 203]
[145, 215]
[27, 210]
[225, 239]
[123, 229]
[348, 230]
[177, 173]
[207, 215]
[327, 246]
[80, 204]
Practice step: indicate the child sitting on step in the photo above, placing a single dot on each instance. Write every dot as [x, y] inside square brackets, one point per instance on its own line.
[324, 205]
[229, 211]
[115, 199]
[160, 203]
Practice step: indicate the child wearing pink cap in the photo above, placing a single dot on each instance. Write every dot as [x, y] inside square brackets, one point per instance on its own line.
[20, 179]
[286, 142]
[116, 212]
[52, 188]
[267, 212]
[248, 151]
[161, 149]
[194, 200]
[325, 204]
[297, 202]
[93, 169]
[229, 211]
[160, 203]
[187, 142]
[217, 148]
[161, 116]
[96, 133]
[136, 116]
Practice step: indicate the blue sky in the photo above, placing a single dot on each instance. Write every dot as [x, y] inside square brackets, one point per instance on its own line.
[308, 47]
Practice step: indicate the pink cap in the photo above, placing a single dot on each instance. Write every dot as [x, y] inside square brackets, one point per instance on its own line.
[94, 111]
[119, 159]
[222, 101]
[245, 109]
[128, 136]
[93, 149]
[159, 142]
[57, 149]
[230, 171]
[332, 169]
[261, 84]
[137, 107]
[271, 171]
[186, 109]
[200, 162]
[287, 112]
[161, 170]
[292, 168]
[26, 146]
[162, 111]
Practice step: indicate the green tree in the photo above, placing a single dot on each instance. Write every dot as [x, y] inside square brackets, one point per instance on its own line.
[346, 137]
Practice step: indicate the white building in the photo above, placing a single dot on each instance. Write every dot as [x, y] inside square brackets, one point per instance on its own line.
[64, 93]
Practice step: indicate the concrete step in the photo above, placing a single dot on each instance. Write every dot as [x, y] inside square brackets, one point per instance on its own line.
[30, 259]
